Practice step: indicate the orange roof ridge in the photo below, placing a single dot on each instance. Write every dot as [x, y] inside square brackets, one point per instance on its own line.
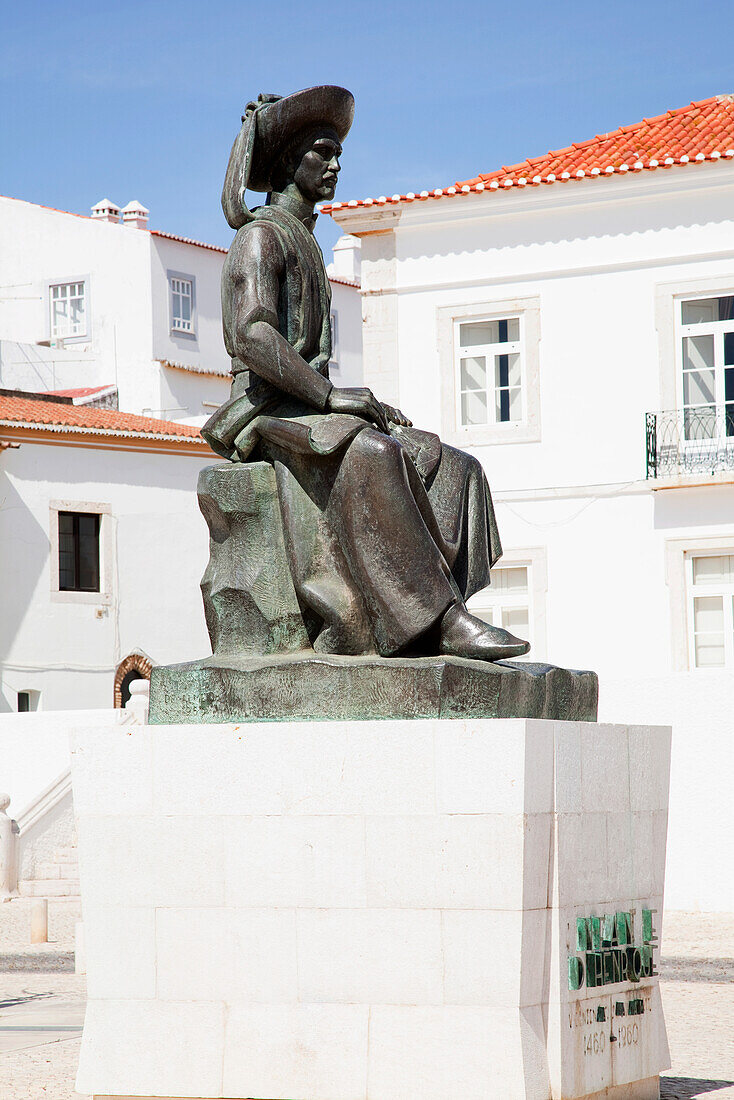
[703, 130]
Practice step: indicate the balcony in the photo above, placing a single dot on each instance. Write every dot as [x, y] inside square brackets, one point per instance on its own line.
[686, 442]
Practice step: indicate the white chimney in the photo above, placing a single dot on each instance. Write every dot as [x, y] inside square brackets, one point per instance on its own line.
[347, 256]
[135, 214]
[106, 211]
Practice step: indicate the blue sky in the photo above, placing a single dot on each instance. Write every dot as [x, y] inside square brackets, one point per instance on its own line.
[143, 100]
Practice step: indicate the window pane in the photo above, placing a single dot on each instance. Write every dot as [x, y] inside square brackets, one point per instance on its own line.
[507, 370]
[708, 615]
[473, 408]
[58, 318]
[695, 313]
[516, 620]
[729, 349]
[698, 353]
[67, 570]
[707, 310]
[474, 333]
[88, 553]
[698, 387]
[479, 332]
[709, 651]
[713, 570]
[511, 578]
[508, 405]
[486, 614]
[474, 373]
[77, 315]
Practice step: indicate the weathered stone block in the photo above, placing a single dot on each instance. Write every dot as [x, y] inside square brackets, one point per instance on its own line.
[249, 600]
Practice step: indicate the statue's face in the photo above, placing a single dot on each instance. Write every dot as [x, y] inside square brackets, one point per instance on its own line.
[317, 166]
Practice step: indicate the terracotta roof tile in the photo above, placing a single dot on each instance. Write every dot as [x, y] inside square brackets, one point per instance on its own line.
[24, 411]
[186, 240]
[702, 131]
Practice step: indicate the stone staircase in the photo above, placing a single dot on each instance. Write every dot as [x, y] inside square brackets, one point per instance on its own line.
[58, 878]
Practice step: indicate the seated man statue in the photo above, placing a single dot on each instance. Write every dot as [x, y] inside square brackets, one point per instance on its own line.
[387, 531]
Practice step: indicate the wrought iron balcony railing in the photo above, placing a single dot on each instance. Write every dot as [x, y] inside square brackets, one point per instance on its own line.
[690, 441]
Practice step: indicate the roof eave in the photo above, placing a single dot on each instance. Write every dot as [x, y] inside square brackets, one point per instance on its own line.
[108, 439]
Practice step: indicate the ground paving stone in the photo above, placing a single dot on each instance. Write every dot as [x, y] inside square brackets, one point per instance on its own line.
[697, 980]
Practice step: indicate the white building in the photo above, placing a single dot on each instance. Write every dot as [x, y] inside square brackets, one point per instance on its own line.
[535, 316]
[106, 302]
[102, 548]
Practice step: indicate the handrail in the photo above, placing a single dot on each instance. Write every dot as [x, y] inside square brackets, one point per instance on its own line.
[692, 440]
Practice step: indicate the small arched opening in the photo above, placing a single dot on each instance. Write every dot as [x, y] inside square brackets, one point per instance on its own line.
[136, 666]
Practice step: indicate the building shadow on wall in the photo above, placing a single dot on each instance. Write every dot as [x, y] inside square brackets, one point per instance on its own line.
[24, 550]
[689, 1088]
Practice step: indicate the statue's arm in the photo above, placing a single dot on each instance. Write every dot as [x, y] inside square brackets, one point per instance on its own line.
[255, 269]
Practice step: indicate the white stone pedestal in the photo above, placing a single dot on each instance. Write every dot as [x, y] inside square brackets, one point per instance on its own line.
[370, 910]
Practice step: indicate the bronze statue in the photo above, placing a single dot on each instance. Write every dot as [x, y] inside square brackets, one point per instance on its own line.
[387, 530]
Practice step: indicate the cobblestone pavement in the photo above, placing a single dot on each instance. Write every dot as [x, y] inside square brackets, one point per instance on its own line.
[697, 985]
[38, 986]
[697, 979]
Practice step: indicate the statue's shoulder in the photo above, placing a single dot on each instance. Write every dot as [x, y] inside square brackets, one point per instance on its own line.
[256, 242]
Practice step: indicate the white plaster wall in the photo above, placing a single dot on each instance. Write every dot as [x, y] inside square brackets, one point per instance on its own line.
[33, 368]
[190, 397]
[700, 708]
[158, 552]
[42, 245]
[205, 348]
[34, 750]
[346, 302]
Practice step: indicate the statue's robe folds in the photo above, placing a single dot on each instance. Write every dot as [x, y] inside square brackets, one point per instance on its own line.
[383, 532]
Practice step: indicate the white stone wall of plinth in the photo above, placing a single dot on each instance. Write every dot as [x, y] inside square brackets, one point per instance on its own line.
[369, 910]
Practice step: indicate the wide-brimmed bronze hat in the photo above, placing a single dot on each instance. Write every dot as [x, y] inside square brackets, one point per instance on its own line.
[268, 127]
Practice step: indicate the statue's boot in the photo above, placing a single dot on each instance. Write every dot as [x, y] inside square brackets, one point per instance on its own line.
[463, 635]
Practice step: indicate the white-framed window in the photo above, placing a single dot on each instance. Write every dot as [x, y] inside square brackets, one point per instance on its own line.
[489, 368]
[706, 379]
[506, 602]
[82, 548]
[489, 363]
[68, 308]
[182, 303]
[515, 599]
[710, 585]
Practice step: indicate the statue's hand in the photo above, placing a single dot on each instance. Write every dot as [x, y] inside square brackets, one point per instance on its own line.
[358, 402]
[395, 416]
